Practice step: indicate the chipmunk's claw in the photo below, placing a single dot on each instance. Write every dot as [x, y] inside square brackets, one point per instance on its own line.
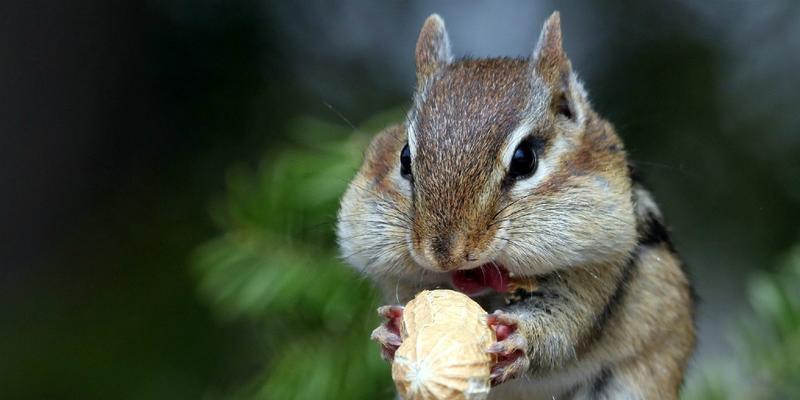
[388, 333]
[510, 350]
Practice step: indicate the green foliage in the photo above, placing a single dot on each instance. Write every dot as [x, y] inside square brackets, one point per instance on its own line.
[275, 266]
[771, 341]
[767, 359]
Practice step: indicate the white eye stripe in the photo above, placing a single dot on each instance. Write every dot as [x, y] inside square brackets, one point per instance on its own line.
[411, 118]
[412, 138]
[555, 151]
[557, 147]
[535, 110]
[520, 133]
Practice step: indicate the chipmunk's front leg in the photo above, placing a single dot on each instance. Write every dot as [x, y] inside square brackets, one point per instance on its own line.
[388, 333]
[547, 330]
[510, 350]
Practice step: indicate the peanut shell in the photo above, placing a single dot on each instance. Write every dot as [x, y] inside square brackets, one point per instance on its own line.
[443, 354]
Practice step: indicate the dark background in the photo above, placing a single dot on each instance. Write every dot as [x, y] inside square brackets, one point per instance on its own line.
[120, 121]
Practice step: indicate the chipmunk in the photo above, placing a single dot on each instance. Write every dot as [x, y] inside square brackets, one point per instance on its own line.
[500, 171]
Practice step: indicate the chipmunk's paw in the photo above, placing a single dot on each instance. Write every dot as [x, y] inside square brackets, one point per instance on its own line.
[510, 350]
[388, 333]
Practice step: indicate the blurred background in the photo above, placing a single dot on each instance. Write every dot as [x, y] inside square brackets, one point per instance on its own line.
[172, 171]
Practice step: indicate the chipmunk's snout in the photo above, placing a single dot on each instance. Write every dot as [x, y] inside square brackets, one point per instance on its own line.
[443, 251]
[451, 251]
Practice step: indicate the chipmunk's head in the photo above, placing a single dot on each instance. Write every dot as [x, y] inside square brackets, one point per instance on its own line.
[499, 161]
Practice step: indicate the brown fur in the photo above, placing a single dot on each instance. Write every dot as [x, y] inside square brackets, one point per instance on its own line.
[613, 314]
[469, 108]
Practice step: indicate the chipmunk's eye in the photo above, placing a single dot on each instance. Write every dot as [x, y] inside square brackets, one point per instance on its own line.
[523, 162]
[405, 162]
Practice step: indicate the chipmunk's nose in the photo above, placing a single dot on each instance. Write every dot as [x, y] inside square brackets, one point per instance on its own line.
[446, 252]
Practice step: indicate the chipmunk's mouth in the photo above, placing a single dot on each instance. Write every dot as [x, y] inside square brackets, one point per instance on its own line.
[477, 280]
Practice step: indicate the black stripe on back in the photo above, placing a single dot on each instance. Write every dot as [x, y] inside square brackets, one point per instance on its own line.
[652, 231]
[612, 304]
[618, 295]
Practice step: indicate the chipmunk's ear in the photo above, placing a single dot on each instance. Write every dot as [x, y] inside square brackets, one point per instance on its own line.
[549, 59]
[550, 63]
[433, 49]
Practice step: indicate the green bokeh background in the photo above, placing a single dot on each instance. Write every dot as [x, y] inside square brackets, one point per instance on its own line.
[191, 254]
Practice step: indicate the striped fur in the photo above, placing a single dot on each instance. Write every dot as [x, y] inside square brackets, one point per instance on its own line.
[613, 317]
